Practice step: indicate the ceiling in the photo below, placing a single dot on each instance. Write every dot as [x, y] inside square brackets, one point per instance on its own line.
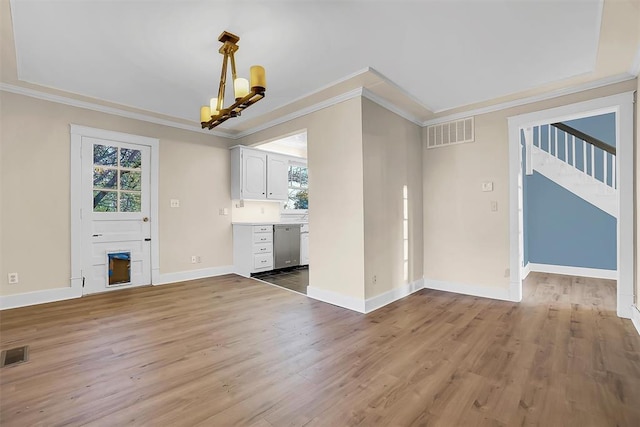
[161, 57]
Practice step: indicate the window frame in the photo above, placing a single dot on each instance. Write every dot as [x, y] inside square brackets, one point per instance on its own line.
[283, 210]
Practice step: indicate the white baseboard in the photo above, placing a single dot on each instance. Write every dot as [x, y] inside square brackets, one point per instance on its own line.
[635, 318]
[337, 299]
[468, 289]
[596, 273]
[182, 276]
[60, 294]
[38, 297]
[395, 294]
[525, 271]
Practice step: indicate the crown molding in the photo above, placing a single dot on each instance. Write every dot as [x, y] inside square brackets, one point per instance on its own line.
[33, 93]
[360, 91]
[366, 93]
[399, 89]
[535, 98]
[303, 112]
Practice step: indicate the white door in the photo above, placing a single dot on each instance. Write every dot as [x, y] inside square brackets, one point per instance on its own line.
[277, 177]
[254, 173]
[116, 204]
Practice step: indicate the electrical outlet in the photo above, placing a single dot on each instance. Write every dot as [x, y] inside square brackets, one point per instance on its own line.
[194, 259]
[198, 259]
[375, 279]
[494, 206]
[13, 278]
[175, 203]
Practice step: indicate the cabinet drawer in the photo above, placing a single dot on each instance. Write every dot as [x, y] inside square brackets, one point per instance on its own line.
[262, 228]
[262, 237]
[263, 261]
[263, 248]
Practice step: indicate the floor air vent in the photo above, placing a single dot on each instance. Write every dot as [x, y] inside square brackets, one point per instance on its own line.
[14, 356]
[449, 133]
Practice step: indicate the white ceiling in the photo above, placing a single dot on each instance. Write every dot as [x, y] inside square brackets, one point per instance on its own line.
[161, 56]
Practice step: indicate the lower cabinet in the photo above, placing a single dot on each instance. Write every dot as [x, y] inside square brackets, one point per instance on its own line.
[252, 248]
[304, 248]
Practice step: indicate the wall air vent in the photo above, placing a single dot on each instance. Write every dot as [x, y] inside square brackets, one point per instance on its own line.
[455, 132]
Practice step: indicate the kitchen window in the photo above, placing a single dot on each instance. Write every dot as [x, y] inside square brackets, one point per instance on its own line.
[298, 187]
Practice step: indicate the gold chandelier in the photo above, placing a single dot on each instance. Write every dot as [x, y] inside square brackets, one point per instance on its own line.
[245, 94]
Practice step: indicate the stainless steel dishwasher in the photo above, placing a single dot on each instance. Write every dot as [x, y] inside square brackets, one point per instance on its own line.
[286, 245]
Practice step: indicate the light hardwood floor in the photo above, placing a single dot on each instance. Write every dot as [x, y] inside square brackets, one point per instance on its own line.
[233, 351]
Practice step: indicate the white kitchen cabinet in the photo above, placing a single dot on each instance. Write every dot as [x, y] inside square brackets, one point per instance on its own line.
[304, 245]
[277, 177]
[252, 248]
[258, 175]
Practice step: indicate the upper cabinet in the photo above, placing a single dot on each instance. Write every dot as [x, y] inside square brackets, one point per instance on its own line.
[277, 177]
[258, 175]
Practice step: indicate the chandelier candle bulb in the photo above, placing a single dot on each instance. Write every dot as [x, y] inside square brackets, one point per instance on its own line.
[258, 79]
[241, 87]
[205, 113]
[213, 106]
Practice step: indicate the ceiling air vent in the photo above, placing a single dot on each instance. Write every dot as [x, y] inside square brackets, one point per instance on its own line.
[455, 132]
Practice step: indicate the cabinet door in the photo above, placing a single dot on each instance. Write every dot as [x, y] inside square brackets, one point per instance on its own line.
[254, 171]
[304, 249]
[277, 177]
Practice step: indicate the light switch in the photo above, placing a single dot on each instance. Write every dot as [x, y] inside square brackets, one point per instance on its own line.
[494, 206]
[175, 203]
[225, 211]
[487, 186]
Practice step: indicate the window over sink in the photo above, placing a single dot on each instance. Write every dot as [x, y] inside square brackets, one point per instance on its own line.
[298, 187]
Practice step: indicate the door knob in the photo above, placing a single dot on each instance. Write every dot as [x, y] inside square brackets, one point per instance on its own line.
[145, 219]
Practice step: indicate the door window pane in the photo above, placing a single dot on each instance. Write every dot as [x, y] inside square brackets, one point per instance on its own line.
[105, 201]
[105, 178]
[105, 155]
[117, 179]
[130, 180]
[130, 158]
[130, 202]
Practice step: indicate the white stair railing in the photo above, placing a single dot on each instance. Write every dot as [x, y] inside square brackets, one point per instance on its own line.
[576, 145]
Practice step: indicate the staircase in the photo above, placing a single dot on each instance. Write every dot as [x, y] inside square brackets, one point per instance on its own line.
[577, 162]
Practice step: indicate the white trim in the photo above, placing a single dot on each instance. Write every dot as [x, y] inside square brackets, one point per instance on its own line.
[39, 297]
[366, 93]
[635, 317]
[469, 289]
[337, 299]
[596, 273]
[635, 67]
[531, 99]
[308, 110]
[400, 89]
[65, 100]
[183, 276]
[75, 291]
[525, 271]
[622, 104]
[77, 132]
[374, 303]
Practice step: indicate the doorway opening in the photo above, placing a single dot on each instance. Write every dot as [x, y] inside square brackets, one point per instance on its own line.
[291, 250]
[579, 180]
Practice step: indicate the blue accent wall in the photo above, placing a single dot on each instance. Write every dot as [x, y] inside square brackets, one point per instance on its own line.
[560, 228]
[602, 127]
[563, 229]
